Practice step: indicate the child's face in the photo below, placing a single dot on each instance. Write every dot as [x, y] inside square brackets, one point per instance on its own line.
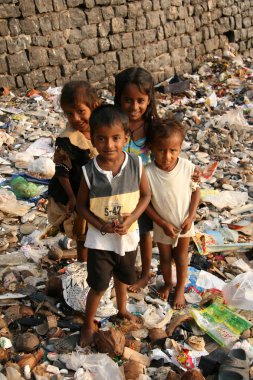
[166, 151]
[78, 116]
[134, 102]
[109, 141]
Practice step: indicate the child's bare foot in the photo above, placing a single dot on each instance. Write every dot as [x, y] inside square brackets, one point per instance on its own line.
[140, 283]
[129, 317]
[87, 334]
[179, 300]
[164, 292]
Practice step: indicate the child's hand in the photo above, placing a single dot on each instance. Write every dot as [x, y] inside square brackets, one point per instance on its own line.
[108, 228]
[187, 224]
[170, 230]
[196, 174]
[123, 225]
[70, 206]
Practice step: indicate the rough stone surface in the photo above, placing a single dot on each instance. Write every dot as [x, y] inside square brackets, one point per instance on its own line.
[56, 40]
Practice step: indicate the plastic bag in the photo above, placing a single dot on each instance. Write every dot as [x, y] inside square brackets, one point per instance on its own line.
[221, 323]
[101, 366]
[10, 205]
[239, 292]
[43, 166]
[23, 188]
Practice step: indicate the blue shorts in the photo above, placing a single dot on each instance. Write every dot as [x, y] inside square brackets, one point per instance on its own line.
[145, 224]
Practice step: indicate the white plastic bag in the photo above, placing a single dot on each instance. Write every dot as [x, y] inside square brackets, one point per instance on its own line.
[44, 166]
[239, 292]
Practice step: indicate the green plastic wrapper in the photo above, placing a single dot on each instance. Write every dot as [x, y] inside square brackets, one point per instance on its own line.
[221, 323]
[24, 189]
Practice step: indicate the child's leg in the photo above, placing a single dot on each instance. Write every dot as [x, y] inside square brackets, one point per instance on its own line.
[146, 256]
[180, 254]
[82, 251]
[79, 230]
[121, 295]
[165, 252]
[88, 328]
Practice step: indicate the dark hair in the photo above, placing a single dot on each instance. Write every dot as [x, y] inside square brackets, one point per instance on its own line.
[164, 128]
[144, 81]
[79, 91]
[108, 115]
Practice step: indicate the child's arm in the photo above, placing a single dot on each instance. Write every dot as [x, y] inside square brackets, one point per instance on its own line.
[192, 211]
[169, 229]
[144, 200]
[82, 206]
[70, 206]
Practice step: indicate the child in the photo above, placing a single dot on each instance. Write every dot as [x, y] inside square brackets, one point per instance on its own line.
[113, 194]
[73, 150]
[174, 202]
[134, 93]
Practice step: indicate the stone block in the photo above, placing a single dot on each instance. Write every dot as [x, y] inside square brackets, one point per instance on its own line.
[56, 39]
[27, 7]
[103, 44]
[138, 38]
[197, 22]
[3, 47]
[121, 11]
[45, 24]
[250, 32]
[169, 29]
[206, 34]
[191, 55]
[73, 52]
[147, 5]
[130, 25]
[150, 51]
[44, 6]
[68, 69]
[165, 4]
[189, 25]
[160, 33]
[74, 3]
[103, 28]
[180, 27]
[107, 13]
[64, 20]
[77, 17]
[141, 23]
[39, 41]
[9, 10]
[231, 23]
[161, 47]
[85, 63]
[216, 14]
[80, 75]
[55, 20]
[3, 65]
[227, 11]
[38, 57]
[190, 9]
[178, 56]
[139, 55]
[149, 36]
[174, 43]
[18, 63]
[99, 59]
[206, 18]
[127, 40]
[110, 56]
[7, 81]
[4, 30]
[19, 81]
[75, 36]
[16, 44]
[185, 41]
[115, 42]
[56, 56]
[244, 34]
[125, 58]
[172, 13]
[117, 25]
[246, 22]
[182, 12]
[89, 47]
[103, 2]
[94, 16]
[212, 44]
[52, 73]
[14, 27]
[134, 9]
[29, 25]
[89, 3]
[118, 2]
[153, 19]
[196, 38]
[59, 5]
[36, 78]
[111, 68]
[96, 73]
[89, 31]
[156, 5]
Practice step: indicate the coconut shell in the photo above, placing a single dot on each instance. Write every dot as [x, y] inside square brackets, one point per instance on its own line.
[157, 334]
[27, 342]
[133, 369]
[110, 342]
[4, 356]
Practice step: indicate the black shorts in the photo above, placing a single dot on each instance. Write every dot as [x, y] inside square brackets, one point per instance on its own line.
[102, 265]
[145, 224]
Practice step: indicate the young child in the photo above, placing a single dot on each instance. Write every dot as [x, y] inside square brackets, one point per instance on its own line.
[73, 150]
[134, 93]
[113, 194]
[174, 202]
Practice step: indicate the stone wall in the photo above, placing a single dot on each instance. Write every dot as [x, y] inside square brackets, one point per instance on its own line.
[53, 41]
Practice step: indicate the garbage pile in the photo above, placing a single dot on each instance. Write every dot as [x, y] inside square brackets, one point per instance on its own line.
[43, 289]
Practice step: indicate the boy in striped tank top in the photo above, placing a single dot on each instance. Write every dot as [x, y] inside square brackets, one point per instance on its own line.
[113, 194]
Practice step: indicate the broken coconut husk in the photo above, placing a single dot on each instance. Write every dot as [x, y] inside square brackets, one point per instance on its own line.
[157, 334]
[133, 369]
[110, 342]
[177, 321]
[27, 342]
